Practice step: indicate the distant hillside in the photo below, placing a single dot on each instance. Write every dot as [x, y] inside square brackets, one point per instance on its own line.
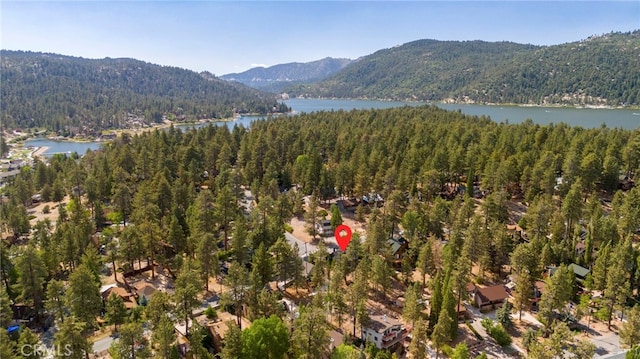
[278, 77]
[601, 70]
[72, 95]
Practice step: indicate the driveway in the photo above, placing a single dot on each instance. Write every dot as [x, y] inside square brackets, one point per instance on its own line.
[492, 348]
[606, 343]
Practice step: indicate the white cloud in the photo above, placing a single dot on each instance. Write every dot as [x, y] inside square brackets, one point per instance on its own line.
[258, 65]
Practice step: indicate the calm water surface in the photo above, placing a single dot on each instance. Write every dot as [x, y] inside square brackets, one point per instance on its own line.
[54, 147]
[584, 117]
[587, 118]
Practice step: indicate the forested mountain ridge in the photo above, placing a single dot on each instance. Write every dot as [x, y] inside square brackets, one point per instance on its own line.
[66, 93]
[601, 70]
[276, 78]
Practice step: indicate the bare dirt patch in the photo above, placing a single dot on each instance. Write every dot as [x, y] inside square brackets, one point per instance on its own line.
[39, 215]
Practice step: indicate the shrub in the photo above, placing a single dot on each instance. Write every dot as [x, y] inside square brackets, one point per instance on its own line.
[634, 353]
[323, 213]
[501, 336]
[211, 313]
[497, 332]
[46, 209]
[447, 350]
[288, 228]
[475, 332]
[602, 314]
[486, 323]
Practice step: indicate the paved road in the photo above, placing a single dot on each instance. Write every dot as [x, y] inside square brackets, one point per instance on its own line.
[102, 344]
[606, 343]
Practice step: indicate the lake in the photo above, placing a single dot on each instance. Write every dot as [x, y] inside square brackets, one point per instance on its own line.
[584, 117]
[54, 146]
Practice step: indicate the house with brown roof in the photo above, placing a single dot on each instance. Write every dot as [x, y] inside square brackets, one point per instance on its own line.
[490, 297]
[144, 290]
[128, 298]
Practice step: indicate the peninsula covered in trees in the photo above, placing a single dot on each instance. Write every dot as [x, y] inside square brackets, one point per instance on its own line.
[445, 206]
[69, 95]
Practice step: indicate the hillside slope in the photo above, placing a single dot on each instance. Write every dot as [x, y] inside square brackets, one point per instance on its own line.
[67, 94]
[276, 78]
[601, 70]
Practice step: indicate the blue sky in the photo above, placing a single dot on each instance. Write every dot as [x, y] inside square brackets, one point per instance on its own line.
[224, 37]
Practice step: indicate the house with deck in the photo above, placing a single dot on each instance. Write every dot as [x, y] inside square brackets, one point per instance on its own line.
[384, 331]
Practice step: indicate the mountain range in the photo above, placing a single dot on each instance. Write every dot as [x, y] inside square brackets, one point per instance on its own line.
[600, 70]
[71, 95]
[278, 77]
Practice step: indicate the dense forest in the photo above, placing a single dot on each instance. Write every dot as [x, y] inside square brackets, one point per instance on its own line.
[597, 71]
[178, 196]
[67, 94]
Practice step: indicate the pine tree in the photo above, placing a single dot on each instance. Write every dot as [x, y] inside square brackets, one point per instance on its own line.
[131, 343]
[158, 307]
[460, 278]
[83, 296]
[116, 312]
[523, 292]
[6, 313]
[503, 315]
[449, 305]
[560, 289]
[312, 216]
[436, 300]
[32, 273]
[442, 330]
[381, 275]
[239, 241]
[357, 294]
[185, 295]
[163, 337]
[70, 341]
[198, 351]
[238, 282]
[232, 342]
[28, 343]
[630, 331]
[426, 263]
[336, 217]
[310, 334]
[418, 346]
[616, 290]
[412, 309]
[7, 346]
[262, 267]
[207, 260]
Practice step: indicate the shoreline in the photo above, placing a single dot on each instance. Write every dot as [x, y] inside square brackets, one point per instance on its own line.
[39, 152]
[453, 102]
